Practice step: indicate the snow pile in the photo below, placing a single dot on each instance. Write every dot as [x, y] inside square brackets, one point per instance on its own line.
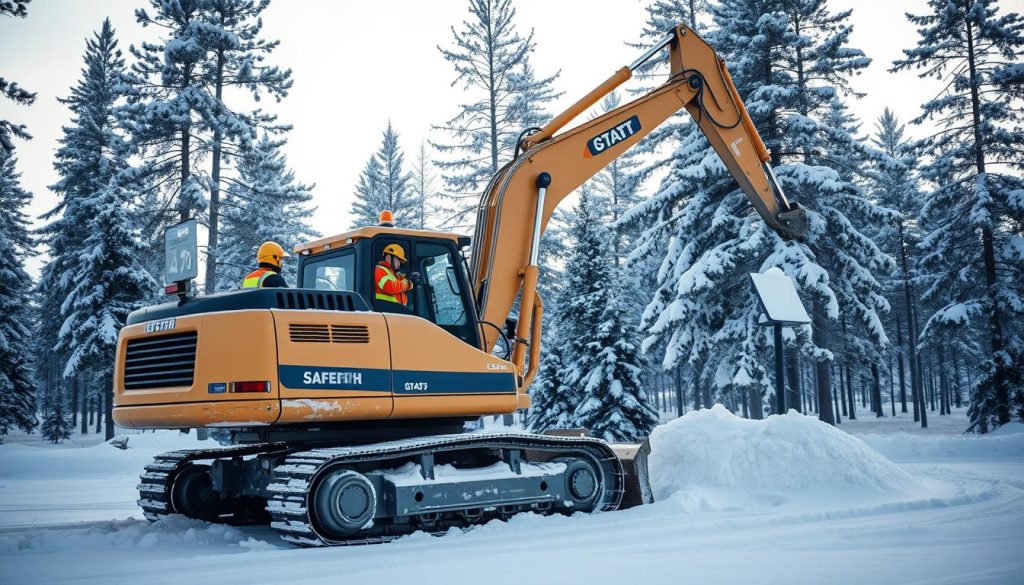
[1005, 442]
[710, 454]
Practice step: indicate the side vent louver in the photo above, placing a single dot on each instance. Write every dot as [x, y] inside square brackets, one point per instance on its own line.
[300, 333]
[308, 333]
[350, 334]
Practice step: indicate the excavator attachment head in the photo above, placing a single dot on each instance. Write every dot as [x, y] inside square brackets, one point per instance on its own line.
[794, 222]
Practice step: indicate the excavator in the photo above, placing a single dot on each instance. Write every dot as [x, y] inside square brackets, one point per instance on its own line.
[347, 417]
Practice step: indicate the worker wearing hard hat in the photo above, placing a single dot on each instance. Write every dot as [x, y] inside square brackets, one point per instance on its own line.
[390, 284]
[268, 274]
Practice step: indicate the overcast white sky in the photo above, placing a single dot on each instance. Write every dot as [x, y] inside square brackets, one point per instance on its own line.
[358, 64]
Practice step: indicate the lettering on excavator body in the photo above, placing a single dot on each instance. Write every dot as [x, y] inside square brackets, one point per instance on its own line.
[612, 136]
[331, 377]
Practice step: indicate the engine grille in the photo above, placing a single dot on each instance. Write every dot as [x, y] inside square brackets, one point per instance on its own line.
[305, 333]
[160, 362]
[319, 300]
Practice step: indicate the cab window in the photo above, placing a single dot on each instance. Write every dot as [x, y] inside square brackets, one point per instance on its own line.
[441, 290]
[334, 273]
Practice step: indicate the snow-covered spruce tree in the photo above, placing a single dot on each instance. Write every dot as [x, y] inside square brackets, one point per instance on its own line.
[11, 90]
[232, 34]
[602, 363]
[895, 184]
[265, 202]
[489, 57]
[790, 61]
[385, 184]
[86, 162]
[109, 283]
[56, 425]
[17, 387]
[171, 114]
[552, 403]
[973, 214]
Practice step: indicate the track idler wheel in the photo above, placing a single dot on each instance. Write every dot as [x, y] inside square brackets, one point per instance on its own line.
[192, 494]
[344, 503]
[583, 483]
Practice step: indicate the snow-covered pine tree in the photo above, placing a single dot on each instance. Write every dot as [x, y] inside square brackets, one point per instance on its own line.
[489, 57]
[895, 184]
[56, 425]
[232, 34]
[423, 189]
[11, 90]
[601, 363]
[17, 387]
[171, 114]
[552, 403]
[385, 184]
[86, 163]
[265, 202]
[704, 311]
[973, 214]
[109, 283]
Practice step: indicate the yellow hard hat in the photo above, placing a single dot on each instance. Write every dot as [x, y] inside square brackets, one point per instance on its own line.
[271, 252]
[396, 251]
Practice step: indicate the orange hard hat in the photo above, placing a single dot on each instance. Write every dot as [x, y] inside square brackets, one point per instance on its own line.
[271, 253]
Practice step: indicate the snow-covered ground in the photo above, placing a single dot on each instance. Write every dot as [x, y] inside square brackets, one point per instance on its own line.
[786, 500]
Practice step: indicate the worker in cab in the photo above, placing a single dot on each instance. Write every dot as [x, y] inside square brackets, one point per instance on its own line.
[268, 273]
[391, 284]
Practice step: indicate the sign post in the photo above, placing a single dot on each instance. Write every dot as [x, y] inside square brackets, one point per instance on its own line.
[782, 308]
[181, 255]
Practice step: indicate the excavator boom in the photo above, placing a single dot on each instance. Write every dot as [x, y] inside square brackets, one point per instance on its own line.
[519, 202]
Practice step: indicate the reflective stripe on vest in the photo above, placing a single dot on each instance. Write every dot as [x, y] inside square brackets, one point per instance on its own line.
[256, 278]
[388, 276]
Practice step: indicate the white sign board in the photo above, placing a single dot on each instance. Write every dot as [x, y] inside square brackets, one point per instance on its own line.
[181, 252]
[779, 298]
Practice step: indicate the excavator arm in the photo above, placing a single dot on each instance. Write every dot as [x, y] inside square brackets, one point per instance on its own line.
[522, 196]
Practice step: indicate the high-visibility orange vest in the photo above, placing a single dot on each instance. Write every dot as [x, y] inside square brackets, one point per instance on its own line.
[389, 287]
[256, 278]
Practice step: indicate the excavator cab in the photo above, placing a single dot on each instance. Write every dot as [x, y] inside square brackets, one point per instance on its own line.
[442, 295]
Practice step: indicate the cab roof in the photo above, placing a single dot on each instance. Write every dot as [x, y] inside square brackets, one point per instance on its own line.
[352, 236]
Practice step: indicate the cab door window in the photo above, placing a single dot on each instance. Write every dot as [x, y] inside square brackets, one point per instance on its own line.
[441, 291]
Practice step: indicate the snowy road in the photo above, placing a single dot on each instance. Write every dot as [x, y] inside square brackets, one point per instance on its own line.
[967, 526]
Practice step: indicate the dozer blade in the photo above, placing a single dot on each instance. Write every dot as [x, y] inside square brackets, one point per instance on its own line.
[634, 464]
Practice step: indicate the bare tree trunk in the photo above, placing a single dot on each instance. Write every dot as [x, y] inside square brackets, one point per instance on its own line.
[99, 411]
[876, 390]
[892, 387]
[108, 403]
[214, 224]
[83, 397]
[74, 395]
[823, 382]
[793, 373]
[843, 370]
[996, 341]
[849, 395]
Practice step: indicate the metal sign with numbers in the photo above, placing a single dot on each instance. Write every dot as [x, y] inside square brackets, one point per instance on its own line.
[181, 252]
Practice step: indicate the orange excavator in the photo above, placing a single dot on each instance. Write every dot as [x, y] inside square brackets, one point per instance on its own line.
[347, 413]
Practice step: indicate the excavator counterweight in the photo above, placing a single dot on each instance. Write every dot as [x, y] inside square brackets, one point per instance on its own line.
[347, 407]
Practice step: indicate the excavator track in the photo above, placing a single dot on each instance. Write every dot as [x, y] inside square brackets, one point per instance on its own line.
[158, 477]
[297, 479]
